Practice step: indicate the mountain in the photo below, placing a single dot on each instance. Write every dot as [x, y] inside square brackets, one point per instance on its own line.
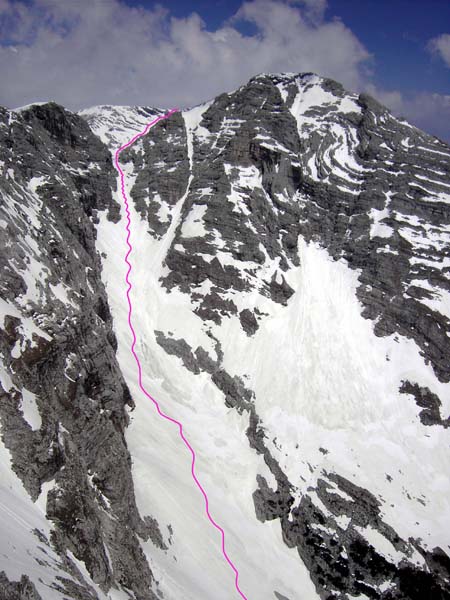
[291, 301]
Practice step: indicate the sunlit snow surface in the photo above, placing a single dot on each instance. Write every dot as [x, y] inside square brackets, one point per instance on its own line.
[116, 125]
[193, 566]
[322, 380]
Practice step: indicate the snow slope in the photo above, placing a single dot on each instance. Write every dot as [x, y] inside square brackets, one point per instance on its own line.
[314, 367]
[226, 465]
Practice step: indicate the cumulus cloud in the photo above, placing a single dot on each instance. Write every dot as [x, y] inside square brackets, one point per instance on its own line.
[84, 53]
[440, 45]
[106, 52]
[314, 9]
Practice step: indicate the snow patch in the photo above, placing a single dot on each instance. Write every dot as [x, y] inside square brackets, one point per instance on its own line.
[30, 409]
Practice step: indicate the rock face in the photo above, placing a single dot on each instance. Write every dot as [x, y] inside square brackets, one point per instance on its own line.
[290, 276]
[17, 590]
[58, 349]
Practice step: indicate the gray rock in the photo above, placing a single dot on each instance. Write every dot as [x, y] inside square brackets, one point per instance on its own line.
[81, 395]
[429, 402]
[17, 590]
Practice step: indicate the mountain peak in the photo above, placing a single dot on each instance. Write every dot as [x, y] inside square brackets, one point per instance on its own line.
[286, 251]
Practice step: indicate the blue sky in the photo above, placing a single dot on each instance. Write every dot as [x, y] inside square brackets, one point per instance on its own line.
[85, 52]
[395, 32]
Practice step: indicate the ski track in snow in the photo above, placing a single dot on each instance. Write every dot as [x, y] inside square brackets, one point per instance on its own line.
[133, 345]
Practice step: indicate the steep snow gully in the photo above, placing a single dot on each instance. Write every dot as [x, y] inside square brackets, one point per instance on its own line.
[133, 333]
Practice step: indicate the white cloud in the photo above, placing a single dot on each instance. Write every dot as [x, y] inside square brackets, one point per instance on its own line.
[314, 9]
[105, 52]
[84, 53]
[441, 46]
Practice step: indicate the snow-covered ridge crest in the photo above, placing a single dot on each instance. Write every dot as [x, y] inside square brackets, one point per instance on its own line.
[115, 125]
[28, 106]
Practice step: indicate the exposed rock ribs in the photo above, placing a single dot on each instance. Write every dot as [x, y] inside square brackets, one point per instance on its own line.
[345, 174]
[282, 158]
[17, 590]
[162, 166]
[326, 526]
[58, 345]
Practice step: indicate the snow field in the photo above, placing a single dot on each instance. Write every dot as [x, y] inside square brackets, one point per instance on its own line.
[226, 466]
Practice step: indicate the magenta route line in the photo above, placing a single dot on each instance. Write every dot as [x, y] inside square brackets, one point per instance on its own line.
[133, 344]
